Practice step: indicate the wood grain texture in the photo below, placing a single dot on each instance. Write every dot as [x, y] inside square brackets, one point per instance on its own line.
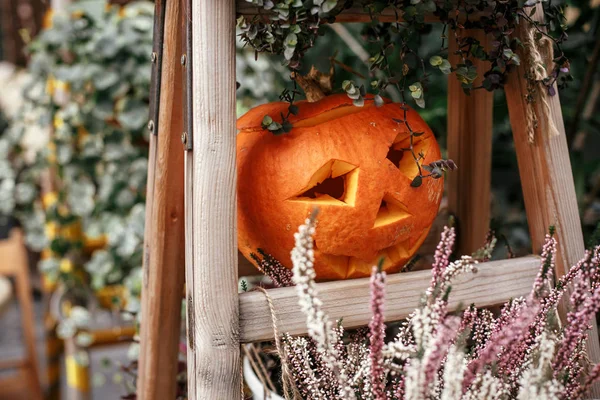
[164, 235]
[352, 14]
[14, 264]
[470, 126]
[546, 178]
[494, 283]
[213, 352]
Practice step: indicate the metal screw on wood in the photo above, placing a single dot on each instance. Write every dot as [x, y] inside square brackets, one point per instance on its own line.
[183, 59]
[153, 57]
[151, 126]
[184, 138]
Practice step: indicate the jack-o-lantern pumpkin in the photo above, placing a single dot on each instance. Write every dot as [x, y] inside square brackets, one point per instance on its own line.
[353, 163]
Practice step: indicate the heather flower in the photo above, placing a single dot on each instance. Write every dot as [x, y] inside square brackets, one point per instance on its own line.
[268, 265]
[377, 329]
[534, 383]
[320, 328]
[548, 264]
[438, 356]
[454, 372]
[442, 254]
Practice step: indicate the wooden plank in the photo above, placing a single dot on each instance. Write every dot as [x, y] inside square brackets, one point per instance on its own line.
[470, 127]
[494, 283]
[352, 14]
[15, 264]
[164, 236]
[212, 287]
[546, 176]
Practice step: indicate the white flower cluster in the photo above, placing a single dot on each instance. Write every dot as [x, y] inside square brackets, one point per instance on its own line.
[320, 328]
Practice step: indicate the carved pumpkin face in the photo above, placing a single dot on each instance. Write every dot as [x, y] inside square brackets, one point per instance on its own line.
[349, 162]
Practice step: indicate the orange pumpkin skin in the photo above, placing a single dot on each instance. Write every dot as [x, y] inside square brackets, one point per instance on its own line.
[378, 215]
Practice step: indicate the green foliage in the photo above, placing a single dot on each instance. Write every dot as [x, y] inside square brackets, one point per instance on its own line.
[90, 85]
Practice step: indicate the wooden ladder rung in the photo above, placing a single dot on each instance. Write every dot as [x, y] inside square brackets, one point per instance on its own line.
[494, 283]
[352, 14]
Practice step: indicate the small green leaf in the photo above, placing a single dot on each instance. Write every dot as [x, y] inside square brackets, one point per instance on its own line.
[267, 120]
[274, 126]
[436, 61]
[417, 181]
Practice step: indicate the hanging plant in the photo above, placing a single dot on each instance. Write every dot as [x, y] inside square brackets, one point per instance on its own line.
[290, 28]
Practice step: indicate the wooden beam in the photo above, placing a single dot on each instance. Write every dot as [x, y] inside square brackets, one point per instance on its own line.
[214, 365]
[546, 175]
[164, 235]
[470, 126]
[494, 283]
[352, 14]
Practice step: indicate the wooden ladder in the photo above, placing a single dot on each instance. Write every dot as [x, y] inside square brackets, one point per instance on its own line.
[197, 188]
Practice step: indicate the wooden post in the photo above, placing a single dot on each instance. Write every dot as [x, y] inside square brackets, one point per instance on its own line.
[470, 125]
[214, 366]
[164, 230]
[546, 175]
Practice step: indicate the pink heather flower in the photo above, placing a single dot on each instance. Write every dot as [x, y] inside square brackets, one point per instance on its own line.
[482, 331]
[377, 334]
[399, 388]
[547, 268]
[279, 275]
[591, 378]
[504, 336]
[442, 254]
[575, 330]
[439, 348]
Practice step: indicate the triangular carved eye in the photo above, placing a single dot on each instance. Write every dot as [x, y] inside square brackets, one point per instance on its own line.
[390, 211]
[399, 153]
[333, 183]
[395, 156]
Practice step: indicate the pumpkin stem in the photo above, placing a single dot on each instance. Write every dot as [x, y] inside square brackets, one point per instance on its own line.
[316, 84]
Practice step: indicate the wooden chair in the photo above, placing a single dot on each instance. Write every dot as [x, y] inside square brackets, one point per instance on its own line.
[25, 382]
[218, 318]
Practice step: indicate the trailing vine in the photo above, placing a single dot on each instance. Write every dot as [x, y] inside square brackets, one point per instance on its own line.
[291, 27]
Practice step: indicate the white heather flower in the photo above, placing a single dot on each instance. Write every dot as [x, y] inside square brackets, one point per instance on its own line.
[534, 383]
[454, 371]
[320, 328]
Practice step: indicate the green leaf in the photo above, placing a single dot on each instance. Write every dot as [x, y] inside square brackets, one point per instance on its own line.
[359, 102]
[106, 79]
[274, 126]
[291, 40]
[267, 120]
[436, 61]
[417, 181]
[328, 5]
